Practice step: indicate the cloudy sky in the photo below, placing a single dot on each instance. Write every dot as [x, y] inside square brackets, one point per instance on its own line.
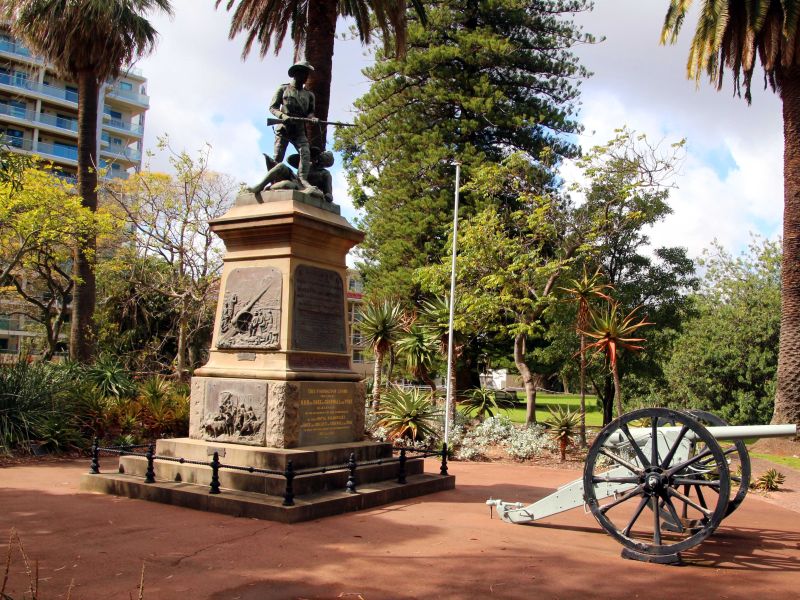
[730, 183]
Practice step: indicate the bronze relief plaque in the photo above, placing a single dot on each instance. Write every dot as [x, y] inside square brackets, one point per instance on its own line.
[235, 410]
[326, 412]
[318, 315]
[251, 310]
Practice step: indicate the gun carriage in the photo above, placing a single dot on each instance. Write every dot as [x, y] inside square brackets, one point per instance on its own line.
[659, 481]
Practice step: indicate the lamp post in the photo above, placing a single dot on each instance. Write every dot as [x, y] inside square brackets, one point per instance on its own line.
[449, 393]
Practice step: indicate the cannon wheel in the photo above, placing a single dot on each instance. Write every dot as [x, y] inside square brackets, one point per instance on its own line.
[743, 480]
[657, 479]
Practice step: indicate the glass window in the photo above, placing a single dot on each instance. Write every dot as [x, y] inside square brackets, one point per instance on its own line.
[125, 86]
[114, 114]
[71, 93]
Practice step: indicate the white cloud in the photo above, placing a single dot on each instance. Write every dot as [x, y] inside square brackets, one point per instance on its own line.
[731, 182]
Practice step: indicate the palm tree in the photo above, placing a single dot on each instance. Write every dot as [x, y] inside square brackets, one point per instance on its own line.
[731, 34]
[613, 333]
[380, 325]
[88, 41]
[418, 348]
[268, 21]
[436, 318]
[583, 291]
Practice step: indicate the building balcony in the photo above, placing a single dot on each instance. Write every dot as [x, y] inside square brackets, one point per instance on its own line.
[127, 96]
[31, 119]
[59, 153]
[121, 126]
[48, 92]
[125, 153]
[17, 50]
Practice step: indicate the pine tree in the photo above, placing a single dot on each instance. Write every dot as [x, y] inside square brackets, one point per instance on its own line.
[482, 80]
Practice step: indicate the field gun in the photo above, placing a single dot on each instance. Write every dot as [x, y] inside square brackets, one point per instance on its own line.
[686, 470]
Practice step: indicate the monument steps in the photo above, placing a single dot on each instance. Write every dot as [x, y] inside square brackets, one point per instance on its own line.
[262, 506]
[275, 485]
[308, 457]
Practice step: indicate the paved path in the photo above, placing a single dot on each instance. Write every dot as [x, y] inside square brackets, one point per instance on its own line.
[439, 546]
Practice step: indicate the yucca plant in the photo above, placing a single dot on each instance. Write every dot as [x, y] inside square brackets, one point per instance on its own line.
[613, 333]
[562, 424]
[410, 414]
[480, 403]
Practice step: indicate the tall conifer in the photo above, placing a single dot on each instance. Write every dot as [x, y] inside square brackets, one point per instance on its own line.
[483, 79]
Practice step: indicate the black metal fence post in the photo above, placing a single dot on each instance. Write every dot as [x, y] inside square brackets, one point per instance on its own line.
[94, 469]
[150, 474]
[214, 474]
[443, 470]
[351, 480]
[401, 469]
[288, 473]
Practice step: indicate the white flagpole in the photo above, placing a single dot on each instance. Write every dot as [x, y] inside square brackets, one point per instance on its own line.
[449, 394]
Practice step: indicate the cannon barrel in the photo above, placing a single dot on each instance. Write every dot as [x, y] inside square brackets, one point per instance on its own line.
[729, 432]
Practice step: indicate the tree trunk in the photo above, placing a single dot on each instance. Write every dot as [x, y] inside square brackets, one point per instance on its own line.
[425, 376]
[617, 390]
[376, 380]
[583, 391]
[319, 52]
[787, 397]
[82, 335]
[608, 399]
[180, 358]
[565, 382]
[527, 378]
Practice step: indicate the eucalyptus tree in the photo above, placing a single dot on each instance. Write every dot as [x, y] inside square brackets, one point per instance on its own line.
[311, 25]
[734, 36]
[88, 41]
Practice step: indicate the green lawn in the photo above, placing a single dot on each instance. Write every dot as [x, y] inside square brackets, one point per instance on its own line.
[594, 413]
[789, 461]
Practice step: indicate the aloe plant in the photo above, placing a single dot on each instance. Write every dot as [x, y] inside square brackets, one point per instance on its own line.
[410, 414]
[562, 424]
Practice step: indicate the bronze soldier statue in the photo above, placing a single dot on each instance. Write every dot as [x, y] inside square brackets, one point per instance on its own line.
[293, 105]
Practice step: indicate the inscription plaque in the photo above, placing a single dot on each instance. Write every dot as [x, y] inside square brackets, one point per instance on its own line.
[326, 413]
[318, 324]
[251, 310]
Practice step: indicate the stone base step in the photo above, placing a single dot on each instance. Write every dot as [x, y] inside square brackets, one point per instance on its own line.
[273, 458]
[261, 506]
[267, 484]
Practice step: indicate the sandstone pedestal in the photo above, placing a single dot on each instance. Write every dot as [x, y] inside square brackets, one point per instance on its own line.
[279, 383]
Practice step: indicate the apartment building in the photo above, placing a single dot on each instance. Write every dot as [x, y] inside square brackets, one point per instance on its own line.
[362, 360]
[39, 115]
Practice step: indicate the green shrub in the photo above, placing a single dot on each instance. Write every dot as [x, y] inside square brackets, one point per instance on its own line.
[29, 395]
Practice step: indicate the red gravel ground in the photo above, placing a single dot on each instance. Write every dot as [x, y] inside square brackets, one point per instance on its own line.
[439, 546]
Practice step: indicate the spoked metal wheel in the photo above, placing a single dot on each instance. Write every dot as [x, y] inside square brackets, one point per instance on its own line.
[656, 458]
[737, 455]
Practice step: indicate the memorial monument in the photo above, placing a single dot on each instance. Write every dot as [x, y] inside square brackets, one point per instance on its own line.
[279, 384]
